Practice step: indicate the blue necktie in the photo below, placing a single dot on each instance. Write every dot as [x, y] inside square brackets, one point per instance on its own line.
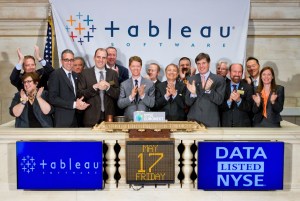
[234, 87]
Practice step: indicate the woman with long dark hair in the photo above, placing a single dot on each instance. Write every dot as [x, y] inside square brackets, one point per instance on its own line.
[268, 100]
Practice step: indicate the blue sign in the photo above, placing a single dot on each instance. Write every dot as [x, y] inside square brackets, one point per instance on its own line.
[59, 165]
[240, 165]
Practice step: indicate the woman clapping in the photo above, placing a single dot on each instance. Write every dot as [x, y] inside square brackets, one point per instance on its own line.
[30, 106]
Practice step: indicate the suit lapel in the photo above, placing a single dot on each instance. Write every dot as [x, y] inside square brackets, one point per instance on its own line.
[67, 80]
[93, 75]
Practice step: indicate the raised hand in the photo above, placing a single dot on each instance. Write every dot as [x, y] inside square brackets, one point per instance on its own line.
[257, 99]
[208, 84]
[20, 56]
[37, 53]
[134, 91]
[141, 90]
[273, 97]
[235, 96]
[191, 87]
[23, 95]
[39, 92]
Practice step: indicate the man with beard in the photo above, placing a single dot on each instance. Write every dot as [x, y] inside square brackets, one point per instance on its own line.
[237, 102]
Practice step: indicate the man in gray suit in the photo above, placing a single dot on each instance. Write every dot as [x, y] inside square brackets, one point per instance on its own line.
[205, 93]
[136, 93]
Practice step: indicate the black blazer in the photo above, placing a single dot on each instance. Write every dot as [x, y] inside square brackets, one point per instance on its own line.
[62, 97]
[175, 108]
[16, 75]
[86, 80]
[123, 73]
[237, 116]
[273, 111]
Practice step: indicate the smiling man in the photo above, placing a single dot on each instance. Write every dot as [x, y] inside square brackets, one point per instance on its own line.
[205, 93]
[237, 104]
[253, 68]
[170, 95]
[29, 65]
[100, 88]
[62, 92]
[136, 93]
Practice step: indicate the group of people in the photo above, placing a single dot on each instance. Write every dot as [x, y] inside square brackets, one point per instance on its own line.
[75, 96]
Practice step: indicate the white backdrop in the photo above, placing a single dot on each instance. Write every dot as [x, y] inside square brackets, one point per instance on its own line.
[158, 31]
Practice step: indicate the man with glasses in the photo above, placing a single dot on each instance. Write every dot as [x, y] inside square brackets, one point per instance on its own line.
[222, 69]
[62, 92]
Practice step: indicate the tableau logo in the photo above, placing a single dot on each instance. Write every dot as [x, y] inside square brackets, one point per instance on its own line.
[80, 28]
[154, 30]
[30, 165]
[241, 166]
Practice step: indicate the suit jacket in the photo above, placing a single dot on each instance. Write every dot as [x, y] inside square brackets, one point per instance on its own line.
[154, 108]
[273, 110]
[62, 97]
[174, 108]
[237, 116]
[86, 80]
[23, 121]
[142, 104]
[16, 75]
[205, 107]
[123, 73]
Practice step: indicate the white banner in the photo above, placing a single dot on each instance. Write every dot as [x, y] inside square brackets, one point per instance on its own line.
[158, 31]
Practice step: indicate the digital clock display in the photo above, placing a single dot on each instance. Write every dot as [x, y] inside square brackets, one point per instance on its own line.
[150, 162]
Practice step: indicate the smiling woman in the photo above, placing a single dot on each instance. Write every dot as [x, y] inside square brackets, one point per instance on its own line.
[30, 106]
[268, 100]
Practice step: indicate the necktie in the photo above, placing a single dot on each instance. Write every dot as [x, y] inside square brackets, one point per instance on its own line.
[136, 83]
[70, 78]
[171, 99]
[203, 81]
[102, 92]
[254, 82]
[234, 87]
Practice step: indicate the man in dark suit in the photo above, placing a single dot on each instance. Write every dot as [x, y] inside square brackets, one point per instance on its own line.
[28, 64]
[205, 93]
[170, 95]
[238, 101]
[91, 85]
[123, 73]
[186, 70]
[136, 93]
[222, 69]
[62, 92]
[253, 68]
[153, 73]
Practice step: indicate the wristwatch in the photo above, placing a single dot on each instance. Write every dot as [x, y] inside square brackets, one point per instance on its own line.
[23, 101]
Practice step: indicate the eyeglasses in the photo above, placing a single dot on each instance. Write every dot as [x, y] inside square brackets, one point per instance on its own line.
[27, 81]
[68, 60]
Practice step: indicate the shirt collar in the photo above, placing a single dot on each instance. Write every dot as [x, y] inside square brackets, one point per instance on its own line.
[66, 71]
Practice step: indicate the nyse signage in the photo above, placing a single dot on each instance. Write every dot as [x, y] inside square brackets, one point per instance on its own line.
[240, 165]
[59, 165]
[150, 162]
